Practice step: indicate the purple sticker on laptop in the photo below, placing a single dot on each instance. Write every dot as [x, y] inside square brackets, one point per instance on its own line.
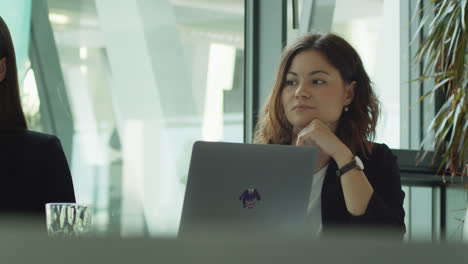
[249, 198]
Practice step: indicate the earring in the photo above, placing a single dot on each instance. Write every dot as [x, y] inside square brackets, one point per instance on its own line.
[346, 108]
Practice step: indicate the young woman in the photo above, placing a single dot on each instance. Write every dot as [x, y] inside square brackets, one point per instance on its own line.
[323, 97]
[33, 167]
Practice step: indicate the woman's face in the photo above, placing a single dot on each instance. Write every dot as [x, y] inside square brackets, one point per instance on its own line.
[314, 89]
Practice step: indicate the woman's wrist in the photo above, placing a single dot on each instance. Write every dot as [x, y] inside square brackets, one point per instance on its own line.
[343, 157]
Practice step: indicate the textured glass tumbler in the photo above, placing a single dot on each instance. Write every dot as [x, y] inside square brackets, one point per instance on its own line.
[68, 219]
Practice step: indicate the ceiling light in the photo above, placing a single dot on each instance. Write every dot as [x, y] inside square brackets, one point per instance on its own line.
[58, 18]
[83, 53]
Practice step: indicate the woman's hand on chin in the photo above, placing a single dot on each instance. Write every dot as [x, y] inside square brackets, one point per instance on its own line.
[318, 134]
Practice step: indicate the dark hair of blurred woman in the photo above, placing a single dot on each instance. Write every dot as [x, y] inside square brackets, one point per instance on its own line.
[11, 113]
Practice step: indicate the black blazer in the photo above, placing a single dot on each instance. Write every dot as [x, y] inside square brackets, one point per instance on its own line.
[33, 171]
[385, 208]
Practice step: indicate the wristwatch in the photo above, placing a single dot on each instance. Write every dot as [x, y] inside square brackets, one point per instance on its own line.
[355, 163]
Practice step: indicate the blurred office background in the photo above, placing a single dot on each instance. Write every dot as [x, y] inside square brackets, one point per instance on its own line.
[129, 85]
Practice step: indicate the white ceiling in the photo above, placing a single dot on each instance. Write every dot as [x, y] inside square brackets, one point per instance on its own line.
[346, 10]
[209, 15]
[206, 11]
[82, 13]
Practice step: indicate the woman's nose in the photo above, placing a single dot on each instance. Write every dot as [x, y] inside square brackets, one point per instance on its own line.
[302, 91]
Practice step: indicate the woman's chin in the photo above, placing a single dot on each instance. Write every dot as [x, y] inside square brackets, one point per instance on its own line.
[302, 122]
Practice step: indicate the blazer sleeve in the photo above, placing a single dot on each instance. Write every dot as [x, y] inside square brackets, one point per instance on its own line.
[59, 181]
[385, 206]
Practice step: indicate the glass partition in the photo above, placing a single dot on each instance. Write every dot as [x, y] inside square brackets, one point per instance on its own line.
[145, 79]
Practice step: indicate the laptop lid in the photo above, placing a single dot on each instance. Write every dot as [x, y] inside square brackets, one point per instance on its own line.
[247, 187]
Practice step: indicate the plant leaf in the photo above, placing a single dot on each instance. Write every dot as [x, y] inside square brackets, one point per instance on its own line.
[463, 14]
[443, 55]
[455, 123]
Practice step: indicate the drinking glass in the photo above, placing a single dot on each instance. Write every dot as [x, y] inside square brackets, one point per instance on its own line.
[68, 219]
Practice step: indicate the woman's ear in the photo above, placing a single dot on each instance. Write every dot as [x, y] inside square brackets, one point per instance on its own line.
[349, 92]
[3, 69]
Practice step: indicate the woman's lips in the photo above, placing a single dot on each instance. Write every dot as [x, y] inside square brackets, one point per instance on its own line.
[302, 107]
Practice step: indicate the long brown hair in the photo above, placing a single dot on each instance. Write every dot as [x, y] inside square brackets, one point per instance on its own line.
[356, 128]
[11, 112]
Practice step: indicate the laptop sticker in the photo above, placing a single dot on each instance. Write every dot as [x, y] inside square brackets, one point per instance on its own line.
[249, 198]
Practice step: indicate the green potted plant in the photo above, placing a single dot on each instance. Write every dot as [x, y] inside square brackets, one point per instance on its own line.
[443, 52]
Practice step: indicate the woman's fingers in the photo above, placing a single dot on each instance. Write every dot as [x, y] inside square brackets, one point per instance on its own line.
[306, 139]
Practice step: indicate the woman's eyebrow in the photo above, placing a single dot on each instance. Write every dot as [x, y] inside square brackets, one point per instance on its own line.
[310, 73]
[319, 71]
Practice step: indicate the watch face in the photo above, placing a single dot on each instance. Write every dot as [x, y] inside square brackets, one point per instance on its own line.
[359, 162]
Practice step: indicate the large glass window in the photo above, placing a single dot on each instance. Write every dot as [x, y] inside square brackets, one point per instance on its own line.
[373, 29]
[145, 79]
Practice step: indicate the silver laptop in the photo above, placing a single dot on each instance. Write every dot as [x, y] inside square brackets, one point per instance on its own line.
[235, 187]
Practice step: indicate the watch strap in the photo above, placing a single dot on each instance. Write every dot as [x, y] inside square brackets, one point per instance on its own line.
[349, 166]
